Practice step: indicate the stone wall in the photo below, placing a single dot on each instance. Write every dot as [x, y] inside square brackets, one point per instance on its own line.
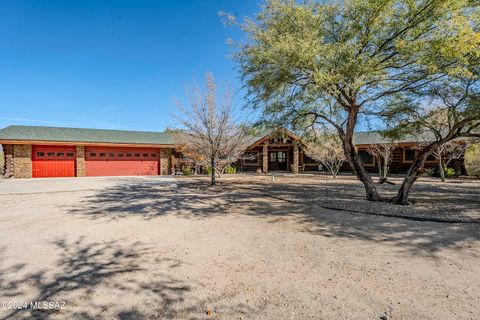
[165, 161]
[80, 161]
[7, 170]
[22, 157]
[295, 158]
[265, 157]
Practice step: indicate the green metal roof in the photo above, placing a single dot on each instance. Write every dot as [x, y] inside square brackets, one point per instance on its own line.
[374, 137]
[41, 133]
[60, 134]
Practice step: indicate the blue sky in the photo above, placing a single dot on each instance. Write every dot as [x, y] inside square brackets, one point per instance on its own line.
[110, 64]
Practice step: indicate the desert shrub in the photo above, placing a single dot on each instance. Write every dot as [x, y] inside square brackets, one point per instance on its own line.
[450, 173]
[472, 160]
[434, 172]
[207, 170]
[230, 170]
[187, 171]
[2, 162]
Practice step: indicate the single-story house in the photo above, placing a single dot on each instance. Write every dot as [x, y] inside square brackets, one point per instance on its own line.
[39, 151]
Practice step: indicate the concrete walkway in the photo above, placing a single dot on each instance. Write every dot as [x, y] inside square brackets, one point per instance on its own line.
[41, 185]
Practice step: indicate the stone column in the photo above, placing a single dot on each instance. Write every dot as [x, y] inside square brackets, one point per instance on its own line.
[80, 161]
[265, 157]
[22, 158]
[172, 163]
[8, 165]
[295, 158]
[165, 161]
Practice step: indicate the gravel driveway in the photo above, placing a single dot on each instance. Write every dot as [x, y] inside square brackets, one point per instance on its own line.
[160, 248]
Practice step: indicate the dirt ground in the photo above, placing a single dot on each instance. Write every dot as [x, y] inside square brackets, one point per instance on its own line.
[457, 200]
[160, 248]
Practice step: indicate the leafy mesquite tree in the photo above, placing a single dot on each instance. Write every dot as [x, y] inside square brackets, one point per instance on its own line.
[209, 129]
[335, 63]
[451, 111]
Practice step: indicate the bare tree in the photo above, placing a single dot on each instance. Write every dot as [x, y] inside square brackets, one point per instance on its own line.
[328, 150]
[383, 154]
[447, 152]
[210, 133]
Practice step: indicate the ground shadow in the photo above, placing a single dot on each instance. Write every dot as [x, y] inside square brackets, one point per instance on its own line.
[85, 270]
[303, 201]
[191, 199]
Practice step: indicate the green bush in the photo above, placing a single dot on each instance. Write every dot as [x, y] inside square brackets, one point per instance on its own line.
[432, 172]
[472, 160]
[187, 171]
[450, 173]
[207, 170]
[230, 170]
[435, 172]
[2, 161]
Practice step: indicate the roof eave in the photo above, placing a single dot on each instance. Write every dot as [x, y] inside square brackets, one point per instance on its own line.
[85, 143]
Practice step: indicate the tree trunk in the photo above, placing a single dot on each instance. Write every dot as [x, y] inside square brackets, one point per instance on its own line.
[442, 171]
[354, 160]
[415, 169]
[212, 163]
[412, 175]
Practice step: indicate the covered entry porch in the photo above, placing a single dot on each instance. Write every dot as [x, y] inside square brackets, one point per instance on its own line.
[280, 150]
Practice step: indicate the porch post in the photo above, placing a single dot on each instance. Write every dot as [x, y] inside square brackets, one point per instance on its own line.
[295, 157]
[265, 157]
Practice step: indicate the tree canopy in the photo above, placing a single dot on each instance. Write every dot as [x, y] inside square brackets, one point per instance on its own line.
[332, 63]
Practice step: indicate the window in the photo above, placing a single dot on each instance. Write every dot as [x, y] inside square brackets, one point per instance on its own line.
[129, 155]
[408, 155]
[69, 154]
[250, 157]
[40, 154]
[51, 154]
[120, 155]
[153, 155]
[112, 155]
[366, 157]
[102, 154]
[145, 155]
[137, 155]
[60, 154]
[308, 160]
[93, 154]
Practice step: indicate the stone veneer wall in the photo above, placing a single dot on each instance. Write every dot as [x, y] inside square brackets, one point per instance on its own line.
[7, 170]
[22, 157]
[265, 158]
[80, 161]
[165, 161]
[295, 157]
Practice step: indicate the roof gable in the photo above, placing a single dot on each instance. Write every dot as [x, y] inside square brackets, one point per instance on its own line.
[267, 136]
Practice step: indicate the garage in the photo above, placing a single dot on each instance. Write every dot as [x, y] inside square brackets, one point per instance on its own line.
[120, 161]
[53, 161]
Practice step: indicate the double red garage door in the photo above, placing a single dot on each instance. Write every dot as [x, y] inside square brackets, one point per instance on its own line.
[101, 161]
[59, 161]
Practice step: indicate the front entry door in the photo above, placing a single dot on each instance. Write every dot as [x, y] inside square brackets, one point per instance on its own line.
[277, 160]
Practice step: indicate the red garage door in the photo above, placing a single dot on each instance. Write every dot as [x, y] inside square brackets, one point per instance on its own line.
[53, 161]
[102, 161]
